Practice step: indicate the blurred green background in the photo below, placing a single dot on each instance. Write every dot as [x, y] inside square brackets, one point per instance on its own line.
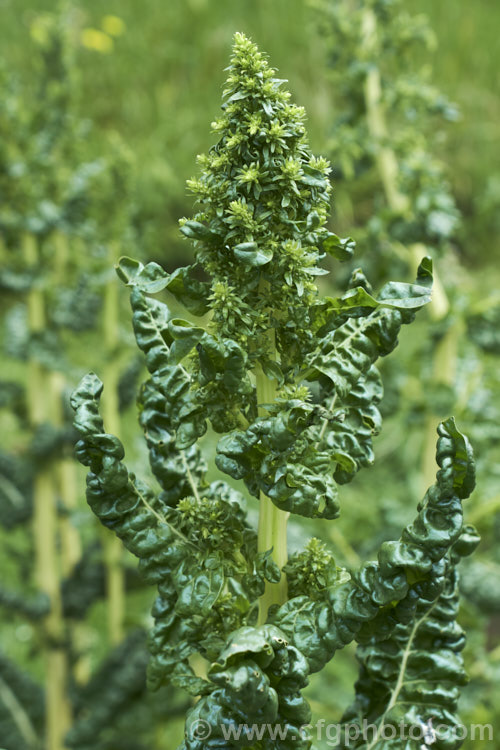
[152, 71]
[157, 81]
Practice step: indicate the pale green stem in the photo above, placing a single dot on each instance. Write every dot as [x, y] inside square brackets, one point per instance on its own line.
[272, 532]
[375, 117]
[64, 469]
[66, 480]
[40, 409]
[190, 477]
[386, 160]
[445, 355]
[326, 420]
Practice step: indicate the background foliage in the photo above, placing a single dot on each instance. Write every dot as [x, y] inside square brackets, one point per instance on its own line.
[151, 72]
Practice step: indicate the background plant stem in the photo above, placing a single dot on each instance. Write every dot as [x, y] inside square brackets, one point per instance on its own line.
[113, 549]
[445, 354]
[386, 159]
[66, 479]
[65, 467]
[40, 406]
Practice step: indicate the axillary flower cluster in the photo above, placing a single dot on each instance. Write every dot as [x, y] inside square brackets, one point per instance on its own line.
[288, 383]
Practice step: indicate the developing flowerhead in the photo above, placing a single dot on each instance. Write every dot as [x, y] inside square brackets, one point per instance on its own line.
[235, 140]
[217, 162]
[249, 174]
[255, 122]
[292, 168]
[248, 57]
[276, 132]
[223, 295]
[241, 214]
[321, 164]
[209, 522]
[298, 392]
[228, 308]
[258, 190]
[311, 571]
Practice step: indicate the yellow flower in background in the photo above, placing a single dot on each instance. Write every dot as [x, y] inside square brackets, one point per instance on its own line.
[113, 25]
[97, 40]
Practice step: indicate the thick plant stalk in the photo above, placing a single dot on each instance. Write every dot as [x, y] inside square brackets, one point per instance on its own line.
[115, 579]
[58, 712]
[65, 475]
[272, 531]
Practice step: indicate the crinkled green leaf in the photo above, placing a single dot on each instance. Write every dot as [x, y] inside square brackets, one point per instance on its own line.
[413, 677]
[118, 680]
[394, 294]
[268, 566]
[342, 249]
[177, 546]
[409, 296]
[195, 230]
[191, 293]
[23, 727]
[250, 254]
[33, 607]
[382, 594]
[256, 680]
[150, 278]
[185, 336]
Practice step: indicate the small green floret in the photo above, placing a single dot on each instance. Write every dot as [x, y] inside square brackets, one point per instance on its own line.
[312, 571]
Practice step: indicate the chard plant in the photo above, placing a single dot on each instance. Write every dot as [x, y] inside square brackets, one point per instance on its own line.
[285, 383]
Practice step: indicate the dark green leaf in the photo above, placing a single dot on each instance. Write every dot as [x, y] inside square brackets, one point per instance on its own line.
[252, 255]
